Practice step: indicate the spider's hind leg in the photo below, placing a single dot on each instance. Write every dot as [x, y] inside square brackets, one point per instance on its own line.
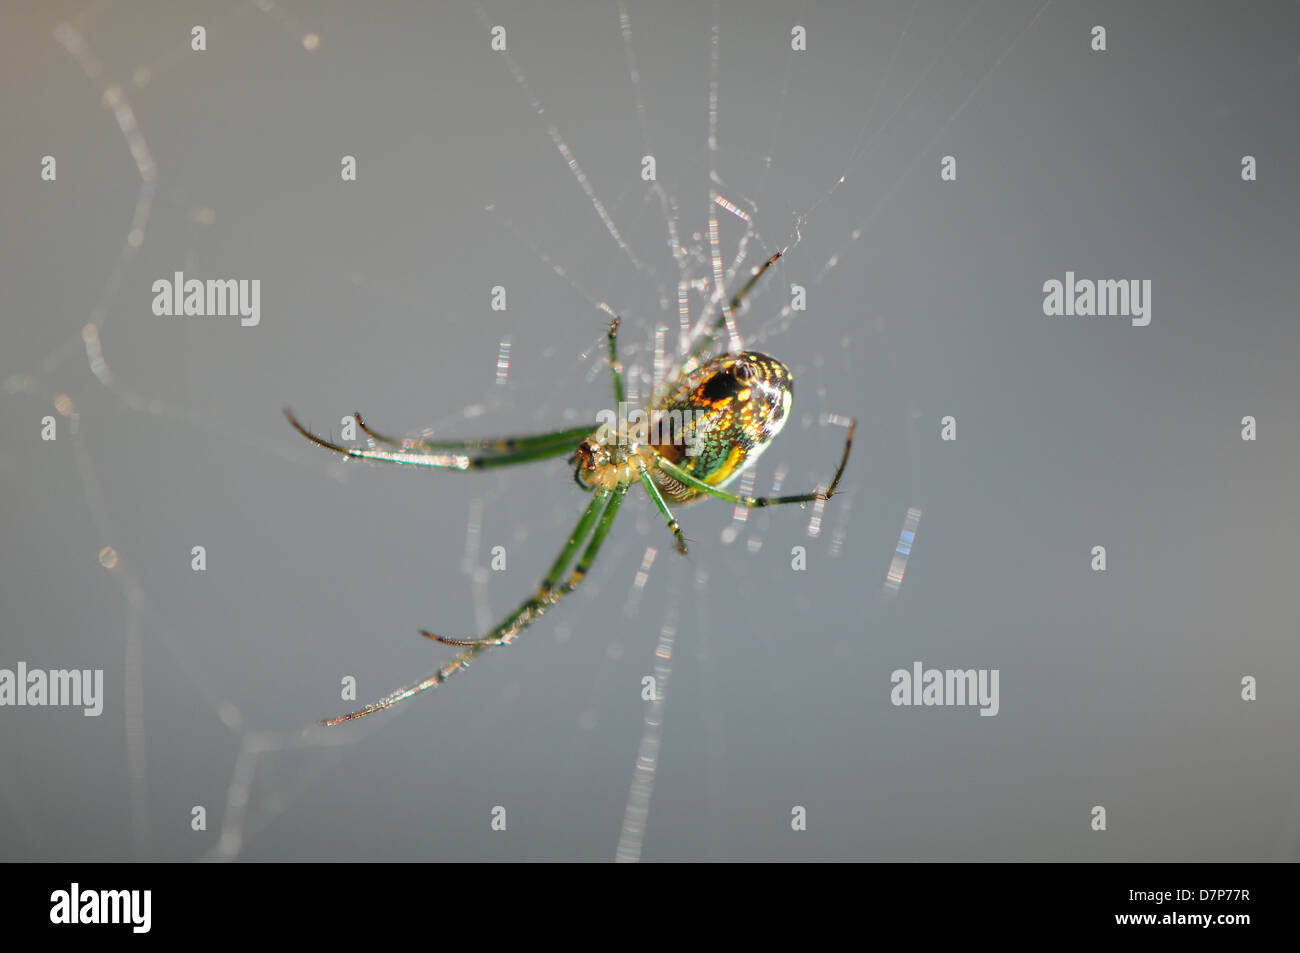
[600, 513]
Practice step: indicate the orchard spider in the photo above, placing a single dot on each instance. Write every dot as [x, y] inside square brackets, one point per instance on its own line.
[729, 408]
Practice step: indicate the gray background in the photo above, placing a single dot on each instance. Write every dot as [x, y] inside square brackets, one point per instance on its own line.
[1120, 689]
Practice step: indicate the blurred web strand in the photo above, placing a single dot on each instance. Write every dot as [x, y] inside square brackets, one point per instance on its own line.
[717, 300]
[503, 361]
[114, 97]
[566, 153]
[133, 726]
[857, 231]
[625, 28]
[880, 87]
[636, 812]
[253, 745]
[779, 112]
[541, 255]
[857, 151]
[661, 363]
[742, 246]
[634, 75]
[903, 550]
[141, 614]
[843, 507]
[639, 581]
[686, 332]
[739, 513]
[787, 315]
[719, 296]
[471, 564]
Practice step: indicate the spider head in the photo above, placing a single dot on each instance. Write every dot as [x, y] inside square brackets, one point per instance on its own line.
[588, 460]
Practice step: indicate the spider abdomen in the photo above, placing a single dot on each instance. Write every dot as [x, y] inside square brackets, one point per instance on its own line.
[730, 409]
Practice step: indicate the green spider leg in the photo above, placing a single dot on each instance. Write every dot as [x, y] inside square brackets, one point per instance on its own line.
[673, 526]
[494, 445]
[474, 455]
[600, 512]
[696, 483]
[615, 367]
[552, 578]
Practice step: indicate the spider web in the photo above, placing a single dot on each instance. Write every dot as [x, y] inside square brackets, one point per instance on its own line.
[758, 148]
[713, 231]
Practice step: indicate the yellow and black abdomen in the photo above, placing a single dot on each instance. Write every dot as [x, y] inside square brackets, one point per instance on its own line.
[719, 419]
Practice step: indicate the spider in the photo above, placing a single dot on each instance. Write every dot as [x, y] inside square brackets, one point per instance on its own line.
[732, 407]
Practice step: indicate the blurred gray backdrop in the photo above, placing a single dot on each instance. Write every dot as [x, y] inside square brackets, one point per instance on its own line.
[1120, 689]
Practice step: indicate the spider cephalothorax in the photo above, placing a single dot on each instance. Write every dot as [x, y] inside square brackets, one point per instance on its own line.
[604, 460]
[712, 421]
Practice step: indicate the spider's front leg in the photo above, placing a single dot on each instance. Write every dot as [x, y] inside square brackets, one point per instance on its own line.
[453, 454]
[706, 341]
[494, 445]
[615, 366]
